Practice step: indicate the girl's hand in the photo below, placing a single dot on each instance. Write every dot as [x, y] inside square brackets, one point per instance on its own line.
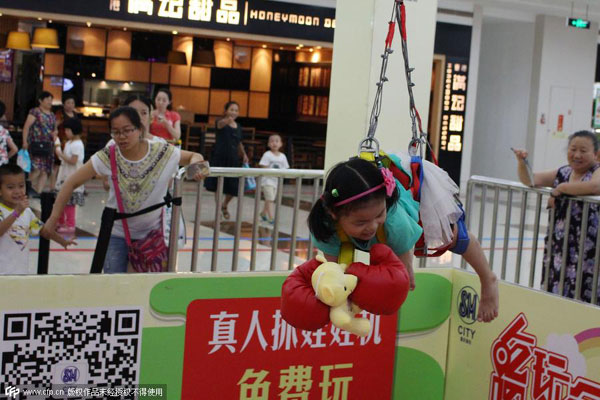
[66, 243]
[198, 170]
[411, 277]
[22, 205]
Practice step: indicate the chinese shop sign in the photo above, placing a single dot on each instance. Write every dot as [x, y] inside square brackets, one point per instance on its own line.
[263, 17]
[243, 349]
[453, 114]
[522, 368]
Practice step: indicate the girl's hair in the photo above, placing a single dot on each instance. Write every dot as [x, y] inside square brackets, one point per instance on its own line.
[130, 113]
[74, 125]
[343, 181]
[44, 95]
[229, 104]
[139, 97]
[586, 134]
[169, 95]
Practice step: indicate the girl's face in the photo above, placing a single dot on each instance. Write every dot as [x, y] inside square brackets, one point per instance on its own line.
[362, 223]
[69, 105]
[232, 111]
[46, 103]
[161, 101]
[69, 133]
[144, 112]
[126, 135]
[581, 154]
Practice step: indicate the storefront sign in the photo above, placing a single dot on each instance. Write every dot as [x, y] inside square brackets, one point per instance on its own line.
[453, 114]
[265, 358]
[271, 18]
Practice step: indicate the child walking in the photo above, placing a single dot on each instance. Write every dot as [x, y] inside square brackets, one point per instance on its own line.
[272, 158]
[18, 223]
[71, 160]
[365, 205]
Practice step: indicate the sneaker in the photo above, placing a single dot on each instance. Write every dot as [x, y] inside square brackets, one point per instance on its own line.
[264, 217]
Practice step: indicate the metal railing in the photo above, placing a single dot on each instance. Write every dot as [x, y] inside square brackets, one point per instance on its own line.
[299, 175]
[516, 199]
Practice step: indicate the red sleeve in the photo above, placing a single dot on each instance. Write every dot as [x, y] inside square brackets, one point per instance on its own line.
[299, 306]
[174, 116]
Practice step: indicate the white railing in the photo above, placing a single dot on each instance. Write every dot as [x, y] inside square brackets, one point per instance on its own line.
[516, 197]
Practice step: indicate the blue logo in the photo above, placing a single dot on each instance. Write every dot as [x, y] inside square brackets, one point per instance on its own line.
[70, 375]
[468, 301]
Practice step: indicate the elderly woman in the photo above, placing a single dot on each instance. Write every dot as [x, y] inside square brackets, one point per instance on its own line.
[39, 133]
[581, 176]
[143, 171]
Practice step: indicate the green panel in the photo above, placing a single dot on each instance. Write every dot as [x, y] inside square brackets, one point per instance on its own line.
[174, 295]
[428, 305]
[162, 359]
[417, 376]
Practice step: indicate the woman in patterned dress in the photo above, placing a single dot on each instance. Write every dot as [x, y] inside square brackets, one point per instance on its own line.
[580, 177]
[40, 127]
[145, 169]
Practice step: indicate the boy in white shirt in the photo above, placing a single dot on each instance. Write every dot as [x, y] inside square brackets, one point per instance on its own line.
[272, 158]
[18, 222]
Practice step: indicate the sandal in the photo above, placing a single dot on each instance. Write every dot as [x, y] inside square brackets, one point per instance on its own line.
[225, 212]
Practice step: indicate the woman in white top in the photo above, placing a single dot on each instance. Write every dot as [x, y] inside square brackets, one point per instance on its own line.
[145, 169]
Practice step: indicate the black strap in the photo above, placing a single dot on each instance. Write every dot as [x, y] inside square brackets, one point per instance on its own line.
[169, 200]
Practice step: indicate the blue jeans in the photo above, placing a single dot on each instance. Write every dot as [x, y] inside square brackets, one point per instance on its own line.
[116, 256]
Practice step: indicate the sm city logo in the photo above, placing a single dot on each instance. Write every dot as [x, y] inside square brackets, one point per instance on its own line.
[70, 375]
[468, 302]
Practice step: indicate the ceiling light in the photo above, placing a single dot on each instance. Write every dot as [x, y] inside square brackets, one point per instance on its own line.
[280, 47]
[228, 39]
[311, 49]
[125, 28]
[0, 14]
[93, 74]
[175, 32]
[46, 38]
[49, 21]
[301, 45]
[39, 18]
[89, 24]
[319, 47]
[78, 73]
[18, 41]
[264, 46]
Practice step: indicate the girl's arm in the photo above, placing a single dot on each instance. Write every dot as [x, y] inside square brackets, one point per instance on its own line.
[82, 175]
[243, 153]
[28, 122]
[223, 122]
[589, 188]
[189, 157]
[12, 147]
[407, 259]
[52, 235]
[174, 130]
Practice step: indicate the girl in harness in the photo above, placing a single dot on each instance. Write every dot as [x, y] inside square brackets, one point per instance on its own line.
[363, 205]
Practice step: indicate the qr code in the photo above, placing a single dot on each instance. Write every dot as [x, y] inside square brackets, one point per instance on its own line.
[85, 346]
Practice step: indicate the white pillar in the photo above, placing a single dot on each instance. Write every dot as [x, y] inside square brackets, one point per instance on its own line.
[361, 29]
[468, 137]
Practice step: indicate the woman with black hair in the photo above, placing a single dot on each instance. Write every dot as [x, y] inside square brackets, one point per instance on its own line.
[39, 134]
[144, 170]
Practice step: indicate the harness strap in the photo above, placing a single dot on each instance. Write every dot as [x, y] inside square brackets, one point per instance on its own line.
[347, 248]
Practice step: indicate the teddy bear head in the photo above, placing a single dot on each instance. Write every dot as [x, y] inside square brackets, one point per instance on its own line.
[332, 286]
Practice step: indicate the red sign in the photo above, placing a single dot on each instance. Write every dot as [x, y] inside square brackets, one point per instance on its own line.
[243, 349]
[520, 367]
[559, 125]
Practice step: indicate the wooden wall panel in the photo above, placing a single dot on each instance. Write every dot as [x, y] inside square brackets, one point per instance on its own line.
[119, 44]
[201, 77]
[223, 53]
[160, 73]
[55, 90]
[127, 70]
[242, 57]
[260, 73]
[258, 106]
[317, 56]
[242, 99]
[195, 100]
[86, 41]
[218, 99]
[54, 64]
[180, 74]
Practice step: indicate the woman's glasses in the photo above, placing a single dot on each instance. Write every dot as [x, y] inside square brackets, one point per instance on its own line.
[125, 132]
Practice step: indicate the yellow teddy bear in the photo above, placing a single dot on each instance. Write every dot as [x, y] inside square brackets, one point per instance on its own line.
[333, 286]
